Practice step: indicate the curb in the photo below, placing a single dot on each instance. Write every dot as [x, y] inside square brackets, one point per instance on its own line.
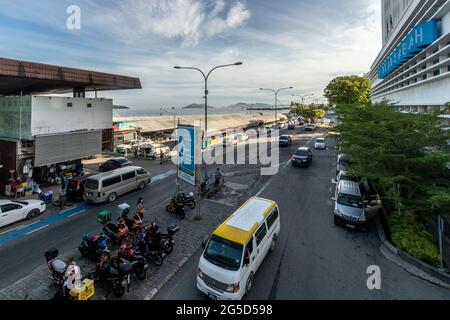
[178, 265]
[412, 265]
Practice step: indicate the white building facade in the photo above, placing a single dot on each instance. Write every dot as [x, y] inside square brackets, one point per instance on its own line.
[412, 71]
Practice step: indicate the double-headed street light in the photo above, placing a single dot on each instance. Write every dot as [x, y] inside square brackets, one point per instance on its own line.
[206, 77]
[303, 97]
[276, 98]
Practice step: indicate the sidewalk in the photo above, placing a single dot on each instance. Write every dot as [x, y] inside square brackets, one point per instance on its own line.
[37, 286]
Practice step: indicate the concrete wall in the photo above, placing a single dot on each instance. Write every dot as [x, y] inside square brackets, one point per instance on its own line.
[12, 109]
[50, 115]
[432, 93]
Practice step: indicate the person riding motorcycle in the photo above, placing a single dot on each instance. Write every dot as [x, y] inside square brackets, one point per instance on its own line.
[140, 208]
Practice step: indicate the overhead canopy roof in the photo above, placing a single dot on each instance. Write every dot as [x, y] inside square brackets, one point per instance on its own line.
[37, 78]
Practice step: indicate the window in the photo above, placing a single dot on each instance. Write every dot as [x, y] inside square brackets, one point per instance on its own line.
[272, 218]
[129, 175]
[141, 171]
[92, 184]
[89, 105]
[69, 105]
[10, 207]
[260, 234]
[111, 181]
[249, 247]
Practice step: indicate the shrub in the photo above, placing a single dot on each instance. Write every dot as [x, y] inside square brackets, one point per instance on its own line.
[413, 238]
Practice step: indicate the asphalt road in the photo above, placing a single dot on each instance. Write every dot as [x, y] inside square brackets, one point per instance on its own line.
[314, 259]
[23, 254]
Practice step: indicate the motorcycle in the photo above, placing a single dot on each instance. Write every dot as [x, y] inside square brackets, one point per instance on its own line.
[140, 267]
[116, 273]
[57, 267]
[150, 251]
[187, 200]
[159, 239]
[118, 234]
[176, 207]
[92, 247]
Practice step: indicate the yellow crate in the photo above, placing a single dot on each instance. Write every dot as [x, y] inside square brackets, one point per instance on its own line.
[85, 292]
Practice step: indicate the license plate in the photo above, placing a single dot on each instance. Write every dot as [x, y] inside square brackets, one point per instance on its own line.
[211, 296]
[350, 226]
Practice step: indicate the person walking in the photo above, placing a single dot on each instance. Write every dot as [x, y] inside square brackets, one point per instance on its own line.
[140, 208]
[62, 196]
[218, 177]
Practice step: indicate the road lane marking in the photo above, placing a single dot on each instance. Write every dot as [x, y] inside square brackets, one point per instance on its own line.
[76, 213]
[28, 225]
[35, 230]
[164, 175]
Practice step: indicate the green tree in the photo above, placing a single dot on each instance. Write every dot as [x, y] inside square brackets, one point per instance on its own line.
[406, 154]
[310, 111]
[348, 90]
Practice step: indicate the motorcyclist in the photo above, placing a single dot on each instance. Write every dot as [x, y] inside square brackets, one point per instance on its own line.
[124, 216]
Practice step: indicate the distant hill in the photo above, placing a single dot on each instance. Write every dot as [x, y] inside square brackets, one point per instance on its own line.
[246, 106]
[197, 106]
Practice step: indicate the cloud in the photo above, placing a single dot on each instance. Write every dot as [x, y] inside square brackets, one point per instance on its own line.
[187, 20]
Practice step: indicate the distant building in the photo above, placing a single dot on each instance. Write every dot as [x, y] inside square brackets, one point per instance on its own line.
[412, 70]
[44, 138]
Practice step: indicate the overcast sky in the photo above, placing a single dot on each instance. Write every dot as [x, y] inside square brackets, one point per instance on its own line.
[303, 43]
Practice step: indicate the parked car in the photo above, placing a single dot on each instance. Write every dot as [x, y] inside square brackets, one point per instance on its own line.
[107, 187]
[285, 141]
[344, 175]
[277, 126]
[127, 147]
[302, 157]
[115, 163]
[310, 127]
[343, 162]
[154, 150]
[233, 254]
[350, 209]
[291, 126]
[320, 144]
[75, 187]
[13, 211]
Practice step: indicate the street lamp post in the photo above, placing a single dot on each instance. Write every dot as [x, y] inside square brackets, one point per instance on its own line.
[206, 77]
[276, 92]
[303, 97]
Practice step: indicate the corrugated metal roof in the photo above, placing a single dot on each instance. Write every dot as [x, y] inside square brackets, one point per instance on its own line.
[38, 78]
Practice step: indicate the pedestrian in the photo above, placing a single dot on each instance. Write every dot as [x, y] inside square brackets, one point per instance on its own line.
[161, 157]
[140, 208]
[218, 177]
[62, 197]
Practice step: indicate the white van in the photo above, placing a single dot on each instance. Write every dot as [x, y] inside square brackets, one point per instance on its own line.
[107, 187]
[237, 248]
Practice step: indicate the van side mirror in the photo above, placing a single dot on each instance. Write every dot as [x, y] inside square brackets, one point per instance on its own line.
[334, 198]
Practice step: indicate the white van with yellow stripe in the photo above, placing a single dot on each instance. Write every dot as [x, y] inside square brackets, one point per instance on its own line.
[237, 248]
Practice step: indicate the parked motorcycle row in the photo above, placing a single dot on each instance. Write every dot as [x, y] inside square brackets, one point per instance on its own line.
[136, 245]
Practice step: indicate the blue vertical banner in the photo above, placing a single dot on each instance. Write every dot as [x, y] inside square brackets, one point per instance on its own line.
[186, 138]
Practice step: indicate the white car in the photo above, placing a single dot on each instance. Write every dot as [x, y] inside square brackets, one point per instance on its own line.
[13, 211]
[320, 144]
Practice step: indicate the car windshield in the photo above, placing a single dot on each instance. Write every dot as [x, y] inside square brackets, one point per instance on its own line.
[284, 138]
[301, 153]
[224, 253]
[92, 184]
[350, 200]
[320, 140]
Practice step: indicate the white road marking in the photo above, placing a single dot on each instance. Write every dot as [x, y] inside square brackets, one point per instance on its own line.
[28, 225]
[76, 213]
[27, 234]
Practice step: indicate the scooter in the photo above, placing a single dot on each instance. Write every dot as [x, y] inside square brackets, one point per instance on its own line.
[56, 266]
[118, 234]
[176, 207]
[162, 240]
[150, 251]
[116, 273]
[187, 200]
[92, 247]
[137, 261]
